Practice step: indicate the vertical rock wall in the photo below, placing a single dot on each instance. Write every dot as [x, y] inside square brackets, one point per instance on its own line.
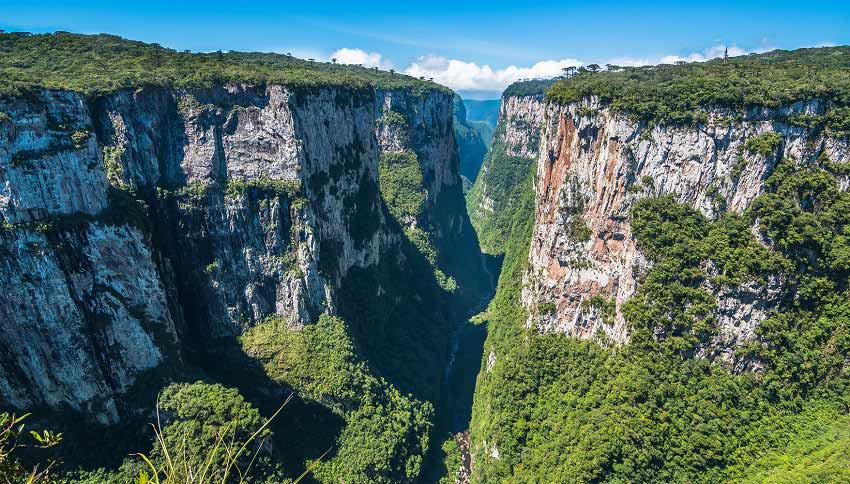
[594, 165]
[146, 220]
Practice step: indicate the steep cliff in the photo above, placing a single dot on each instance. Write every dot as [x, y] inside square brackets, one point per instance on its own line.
[145, 228]
[671, 302]
[595, 168]
[506, 170]
[471, 146]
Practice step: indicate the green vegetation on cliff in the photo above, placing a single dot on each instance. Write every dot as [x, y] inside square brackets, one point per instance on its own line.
[528, 88]
[474, 125]
[386, 433]
[680, 93]
[15, 438]
[558, 409]
[211, 429]
[400, 180]
[366, 381]
[496, 194]
[96, 64]
[471, 146]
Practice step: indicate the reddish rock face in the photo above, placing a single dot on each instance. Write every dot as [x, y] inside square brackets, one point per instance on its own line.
[592, 169]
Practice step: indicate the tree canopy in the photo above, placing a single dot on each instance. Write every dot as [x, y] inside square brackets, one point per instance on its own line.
[97, 64]
[679, 93]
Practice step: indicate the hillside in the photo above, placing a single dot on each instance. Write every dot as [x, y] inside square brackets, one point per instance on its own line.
[211, 235]
[672, 305]
[484, 115]
[506, 170]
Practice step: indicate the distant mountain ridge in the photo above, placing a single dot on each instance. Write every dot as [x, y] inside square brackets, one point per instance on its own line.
[483, 111]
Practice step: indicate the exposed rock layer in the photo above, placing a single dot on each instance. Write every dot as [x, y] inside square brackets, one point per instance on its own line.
[141, 223]
[594, 165]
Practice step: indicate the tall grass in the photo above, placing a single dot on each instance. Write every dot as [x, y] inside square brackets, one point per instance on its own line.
[12, 439]
[228, 461]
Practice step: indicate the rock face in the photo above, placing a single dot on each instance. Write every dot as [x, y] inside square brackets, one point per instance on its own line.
[145, 222]
[471, 146]
[594, 165]
[45, 171]
[84, 314]
[500, 183]
[522, 117]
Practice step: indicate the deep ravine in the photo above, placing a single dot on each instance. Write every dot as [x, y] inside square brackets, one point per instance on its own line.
[458, 386]
[193, 239]
[188, 239]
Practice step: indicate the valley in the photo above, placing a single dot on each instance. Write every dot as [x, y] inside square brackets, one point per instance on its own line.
[630, 274]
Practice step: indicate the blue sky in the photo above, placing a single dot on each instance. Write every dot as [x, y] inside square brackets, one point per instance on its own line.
[476, 47]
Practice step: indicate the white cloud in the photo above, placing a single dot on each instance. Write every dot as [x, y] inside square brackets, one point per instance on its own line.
[360, 56]
[632, 61]
[469, 76]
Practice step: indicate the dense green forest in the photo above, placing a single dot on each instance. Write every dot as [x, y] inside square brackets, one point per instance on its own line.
[558, 409]
[534, 87]
[362, 386]
[504, 182]
[566, 410]
[680, 93]
[97, 64]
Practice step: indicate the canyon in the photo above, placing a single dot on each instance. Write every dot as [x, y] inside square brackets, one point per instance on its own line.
[305, 235]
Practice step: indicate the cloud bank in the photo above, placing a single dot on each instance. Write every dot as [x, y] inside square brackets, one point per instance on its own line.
[713, 52]
[360, 56]
[470, 76]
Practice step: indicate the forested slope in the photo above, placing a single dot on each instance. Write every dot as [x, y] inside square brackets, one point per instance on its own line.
[673, 304]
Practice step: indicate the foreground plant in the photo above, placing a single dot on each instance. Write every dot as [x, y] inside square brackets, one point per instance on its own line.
[203, 449]
[12, 431]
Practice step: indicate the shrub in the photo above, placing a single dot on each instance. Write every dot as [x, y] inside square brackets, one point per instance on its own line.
[13, 439]
[764, 144]
[838, 122]
[578, 231]
[607, 307]
[401, 184]
[79, 138]
[393, 118]
[210, 436]
[113, 166]
[547, 307]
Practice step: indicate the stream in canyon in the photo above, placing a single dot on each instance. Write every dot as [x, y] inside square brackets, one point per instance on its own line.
[461, 371]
